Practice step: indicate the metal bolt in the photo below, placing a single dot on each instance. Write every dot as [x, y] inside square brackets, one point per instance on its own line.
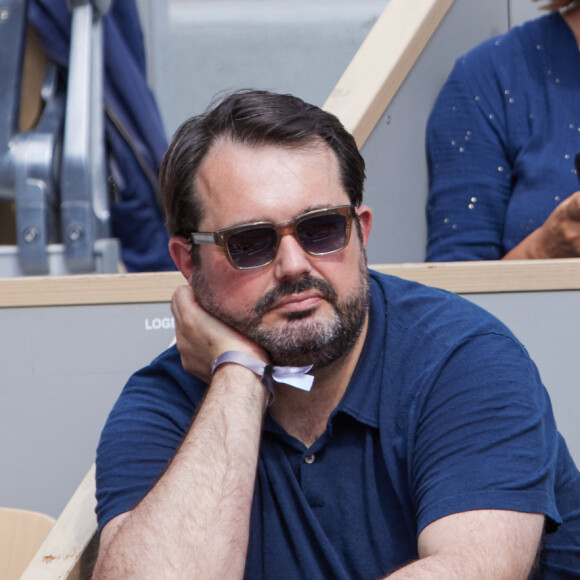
[30, 234]
[75, 233]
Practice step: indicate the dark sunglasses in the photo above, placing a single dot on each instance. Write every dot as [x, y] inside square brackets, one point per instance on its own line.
[319, 232]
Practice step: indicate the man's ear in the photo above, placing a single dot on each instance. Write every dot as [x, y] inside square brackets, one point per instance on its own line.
[180, 250]
[365, 217]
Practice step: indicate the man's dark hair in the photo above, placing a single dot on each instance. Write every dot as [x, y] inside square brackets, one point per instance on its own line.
[251, 118]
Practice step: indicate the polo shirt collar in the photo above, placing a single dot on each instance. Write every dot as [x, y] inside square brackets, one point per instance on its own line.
[362, 396]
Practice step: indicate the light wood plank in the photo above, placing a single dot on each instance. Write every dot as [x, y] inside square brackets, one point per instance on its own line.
[382, 62]
[460, 277]
[88, 289]
[60, 554]
[21, 533]
[492, 276]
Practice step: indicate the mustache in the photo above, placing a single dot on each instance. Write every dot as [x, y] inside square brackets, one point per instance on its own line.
[289, 287]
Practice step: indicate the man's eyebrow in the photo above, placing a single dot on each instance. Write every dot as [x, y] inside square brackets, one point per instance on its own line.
[307, 209]
[317, 206]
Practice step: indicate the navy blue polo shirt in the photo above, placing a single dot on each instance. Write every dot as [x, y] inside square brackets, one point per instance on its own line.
[445, 413]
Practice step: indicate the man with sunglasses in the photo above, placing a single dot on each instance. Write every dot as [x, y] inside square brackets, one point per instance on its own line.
[318, 420]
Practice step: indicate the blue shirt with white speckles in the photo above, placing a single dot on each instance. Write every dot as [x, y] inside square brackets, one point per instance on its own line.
[501, 141]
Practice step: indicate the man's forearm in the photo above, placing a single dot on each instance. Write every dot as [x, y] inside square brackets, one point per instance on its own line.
[195, 521]
[479, 544]
[455, 567]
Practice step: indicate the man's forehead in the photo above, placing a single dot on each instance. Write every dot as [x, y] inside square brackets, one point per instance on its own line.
[236, 163]
[223, 148]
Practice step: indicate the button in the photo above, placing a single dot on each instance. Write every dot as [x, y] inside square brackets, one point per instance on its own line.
[309, 458]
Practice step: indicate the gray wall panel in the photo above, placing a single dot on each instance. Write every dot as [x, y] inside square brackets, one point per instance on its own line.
[61, 370]
[209, 46]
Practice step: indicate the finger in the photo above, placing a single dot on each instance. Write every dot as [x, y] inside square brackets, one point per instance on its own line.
[182, 302]
[573, 207]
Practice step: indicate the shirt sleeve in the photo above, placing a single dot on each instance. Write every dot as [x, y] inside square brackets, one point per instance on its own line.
[142, 434]
[485, 436]
[469, 170]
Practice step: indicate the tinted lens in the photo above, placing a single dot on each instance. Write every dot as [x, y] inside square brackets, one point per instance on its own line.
[252, 247]
[322, 234]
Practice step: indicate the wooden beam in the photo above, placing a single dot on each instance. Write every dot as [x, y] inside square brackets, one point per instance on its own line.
[492, 276]
[381, 64]
[61, 553]
[88, 289]
[460, 277]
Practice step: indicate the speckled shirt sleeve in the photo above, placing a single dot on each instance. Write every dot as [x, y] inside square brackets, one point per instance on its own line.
[501, 141]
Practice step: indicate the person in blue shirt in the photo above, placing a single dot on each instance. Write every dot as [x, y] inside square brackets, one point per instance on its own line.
[502, 139]
[316, 419]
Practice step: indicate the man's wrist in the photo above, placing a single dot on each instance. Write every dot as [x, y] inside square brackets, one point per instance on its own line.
[293, 376]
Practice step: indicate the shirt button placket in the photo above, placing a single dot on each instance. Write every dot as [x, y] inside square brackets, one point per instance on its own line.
[311, 481]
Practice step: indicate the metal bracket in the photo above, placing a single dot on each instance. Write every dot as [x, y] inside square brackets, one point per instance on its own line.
[36, 156]
[83, 186]
[29, 161]
[58, 183]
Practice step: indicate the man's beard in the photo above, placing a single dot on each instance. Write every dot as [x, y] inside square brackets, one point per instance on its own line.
[303, 340]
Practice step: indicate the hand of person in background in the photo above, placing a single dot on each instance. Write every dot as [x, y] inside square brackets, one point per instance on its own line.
[558, 237]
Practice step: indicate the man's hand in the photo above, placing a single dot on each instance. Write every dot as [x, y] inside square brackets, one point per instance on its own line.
[201, 337]
[558, 237]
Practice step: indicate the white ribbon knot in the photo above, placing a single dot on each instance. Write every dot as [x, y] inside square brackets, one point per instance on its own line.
[293, 376]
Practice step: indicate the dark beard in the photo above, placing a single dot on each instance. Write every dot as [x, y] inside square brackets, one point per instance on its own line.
[302, 341]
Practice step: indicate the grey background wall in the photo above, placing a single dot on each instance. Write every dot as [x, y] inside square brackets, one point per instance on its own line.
[198, 48]
[61, 370]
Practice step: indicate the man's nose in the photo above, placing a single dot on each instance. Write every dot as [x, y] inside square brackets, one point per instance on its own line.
[291, 262]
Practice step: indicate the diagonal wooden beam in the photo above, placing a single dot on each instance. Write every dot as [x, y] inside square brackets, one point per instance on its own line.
[61, 555]
[382, 62]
